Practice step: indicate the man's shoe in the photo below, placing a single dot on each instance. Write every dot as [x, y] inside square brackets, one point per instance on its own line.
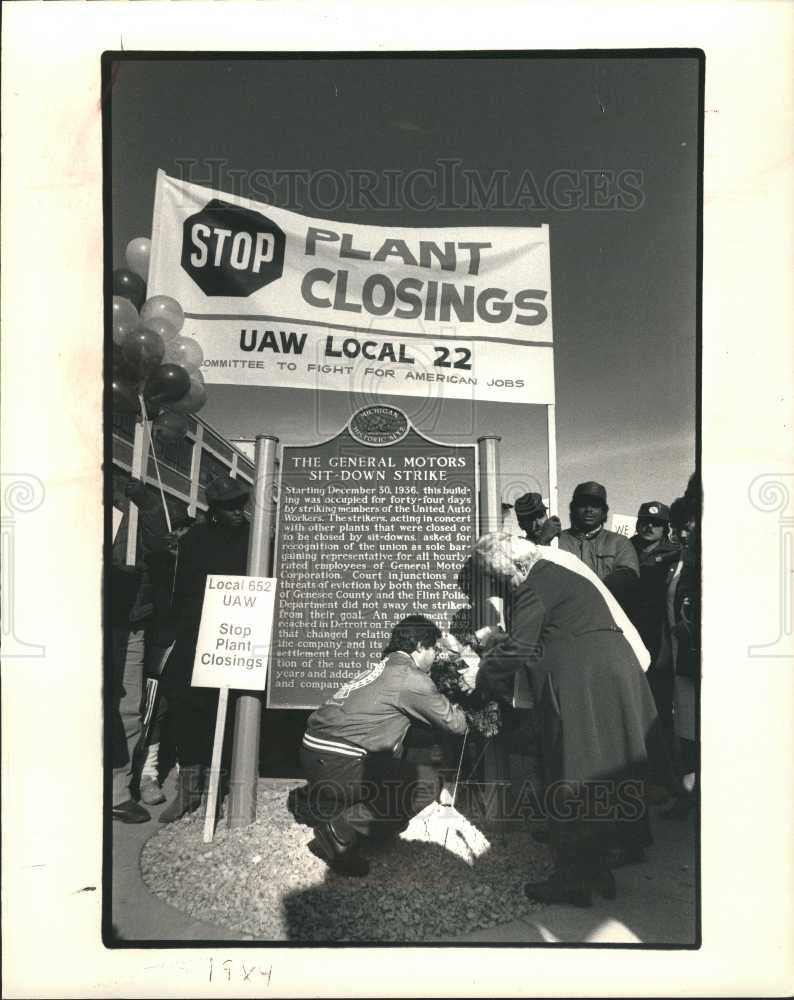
[298, 805]
[188, 795]
[339, 855]
[131, 812]
[352, 863]
[602, 881]
[151, 793]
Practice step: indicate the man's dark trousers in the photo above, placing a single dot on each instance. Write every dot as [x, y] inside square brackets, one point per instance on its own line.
[367, 796]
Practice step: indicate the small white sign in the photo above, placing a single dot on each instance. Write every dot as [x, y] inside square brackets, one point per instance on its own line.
[235, 632]
[624, 524]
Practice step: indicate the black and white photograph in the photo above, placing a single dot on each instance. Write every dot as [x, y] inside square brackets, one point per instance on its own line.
[402, 617]
[397, 481]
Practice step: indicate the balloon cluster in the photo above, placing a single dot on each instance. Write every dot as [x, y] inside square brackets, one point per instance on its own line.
[151, 358]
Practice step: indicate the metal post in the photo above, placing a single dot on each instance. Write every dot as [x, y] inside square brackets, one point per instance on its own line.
[551, 427]
[495, 758]
[248, 714]
[490, 500]
[490, 513]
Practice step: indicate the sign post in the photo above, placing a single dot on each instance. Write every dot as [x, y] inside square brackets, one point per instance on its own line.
[245, 749]
[495, 758]
[232, 652]
[215, 767]
[551, 427]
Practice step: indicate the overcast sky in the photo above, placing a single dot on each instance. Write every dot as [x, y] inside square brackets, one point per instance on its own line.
[623, 278]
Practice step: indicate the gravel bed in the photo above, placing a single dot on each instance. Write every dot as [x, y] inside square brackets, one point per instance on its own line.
[440, 879]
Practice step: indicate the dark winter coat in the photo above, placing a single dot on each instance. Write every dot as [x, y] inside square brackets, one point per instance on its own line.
[131, 600]
[596, 714]
[687, 612]
[375, 709]
[650, 605]
[205, 549]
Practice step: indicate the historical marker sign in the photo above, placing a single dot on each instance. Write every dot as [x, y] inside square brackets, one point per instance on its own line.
[373, 525]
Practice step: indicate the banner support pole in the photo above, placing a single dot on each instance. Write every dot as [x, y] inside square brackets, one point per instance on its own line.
[248, 713]
[495, 758]
[551, 426]
[490, 500]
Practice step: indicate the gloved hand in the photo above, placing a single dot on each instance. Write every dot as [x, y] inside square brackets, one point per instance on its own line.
[551, 528]
[139, 495]
[134, 489]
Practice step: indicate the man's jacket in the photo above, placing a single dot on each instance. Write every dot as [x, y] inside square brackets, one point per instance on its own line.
[610, 556]
[376, 708]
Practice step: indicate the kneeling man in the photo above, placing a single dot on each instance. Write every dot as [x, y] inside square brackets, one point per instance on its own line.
[354, 741]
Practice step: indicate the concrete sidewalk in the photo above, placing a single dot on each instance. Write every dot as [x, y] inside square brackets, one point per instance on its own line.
[655, 904]
[137, 914]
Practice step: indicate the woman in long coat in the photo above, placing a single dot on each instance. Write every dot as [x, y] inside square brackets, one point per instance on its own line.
[600, 733]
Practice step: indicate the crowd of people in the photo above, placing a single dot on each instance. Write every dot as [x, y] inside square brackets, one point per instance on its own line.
[584, 613]
[603, 629]
[655, 577]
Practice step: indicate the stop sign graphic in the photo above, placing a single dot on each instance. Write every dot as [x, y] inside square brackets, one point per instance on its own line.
[229, 250]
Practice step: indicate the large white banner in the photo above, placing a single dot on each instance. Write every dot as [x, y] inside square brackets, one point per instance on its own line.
[278, 298]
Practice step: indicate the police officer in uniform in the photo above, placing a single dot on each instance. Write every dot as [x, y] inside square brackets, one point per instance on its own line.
[353, 744]
[657, 557]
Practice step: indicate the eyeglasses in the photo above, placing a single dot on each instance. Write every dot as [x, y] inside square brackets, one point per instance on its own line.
[651, 523]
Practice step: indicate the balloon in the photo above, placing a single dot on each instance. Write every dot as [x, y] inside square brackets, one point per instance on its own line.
[143, 351]
[125, 318]
[122, 369]
[161, 327]
[129, 285]
[186, 352]
[137, 254]
[125, 398]
[195, 397]
[166, 384]
[170, 426]
[164, 308]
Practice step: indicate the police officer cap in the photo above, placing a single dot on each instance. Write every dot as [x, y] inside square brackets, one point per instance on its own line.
[591, 490]
[223, 489]
[654, 509]
[530, 505]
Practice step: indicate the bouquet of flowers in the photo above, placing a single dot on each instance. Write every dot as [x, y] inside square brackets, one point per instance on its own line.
[483, 715]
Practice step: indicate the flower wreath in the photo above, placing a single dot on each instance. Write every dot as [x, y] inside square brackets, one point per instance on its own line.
[483, 714]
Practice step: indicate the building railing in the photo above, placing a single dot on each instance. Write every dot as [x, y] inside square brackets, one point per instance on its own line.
[186, 466]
